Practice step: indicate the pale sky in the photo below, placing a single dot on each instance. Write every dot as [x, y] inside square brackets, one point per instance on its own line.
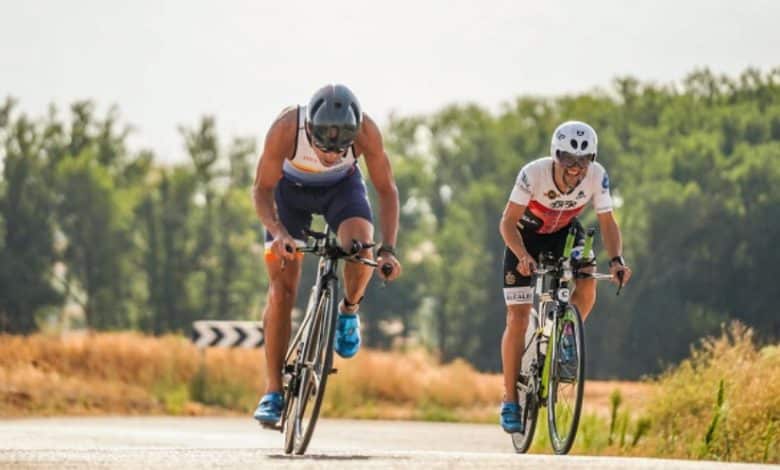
[167, 62]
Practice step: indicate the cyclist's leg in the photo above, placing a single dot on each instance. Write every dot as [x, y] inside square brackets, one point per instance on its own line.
[356, 276]
[518, 295]
[282, 290]
[283, 282]
[584, 296]
[512, 344]
[349, 214]
[347, 211]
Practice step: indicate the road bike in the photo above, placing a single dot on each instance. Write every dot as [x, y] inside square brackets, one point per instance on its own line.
[552, 371]
[309, 358]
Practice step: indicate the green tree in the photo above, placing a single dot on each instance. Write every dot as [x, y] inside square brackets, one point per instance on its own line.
[94, 216]
[27, 255]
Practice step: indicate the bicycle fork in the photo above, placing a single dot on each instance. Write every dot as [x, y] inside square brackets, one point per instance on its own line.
[549, 335]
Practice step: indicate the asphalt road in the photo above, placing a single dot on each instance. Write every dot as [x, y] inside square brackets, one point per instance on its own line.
[166, 442]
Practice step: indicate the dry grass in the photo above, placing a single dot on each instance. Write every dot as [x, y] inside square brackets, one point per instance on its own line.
[688, 420]
[124, 373]
[128, 373]
[414, 386]
[411, 386]
[633, 395]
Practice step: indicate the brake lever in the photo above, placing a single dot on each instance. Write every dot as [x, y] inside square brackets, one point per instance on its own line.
[620, 278]
[288, 249]
[358, 246]
[387, 269]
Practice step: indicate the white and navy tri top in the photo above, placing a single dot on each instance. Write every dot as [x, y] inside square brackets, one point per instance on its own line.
[305, 169]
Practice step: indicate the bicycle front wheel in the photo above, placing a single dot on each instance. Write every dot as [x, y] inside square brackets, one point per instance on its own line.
[566, 380]
[316, 364]
[527, 399]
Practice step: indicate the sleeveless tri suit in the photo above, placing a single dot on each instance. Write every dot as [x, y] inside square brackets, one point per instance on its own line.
[308, 187]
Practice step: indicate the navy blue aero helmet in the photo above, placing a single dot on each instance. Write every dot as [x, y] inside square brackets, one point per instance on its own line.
[333, 118]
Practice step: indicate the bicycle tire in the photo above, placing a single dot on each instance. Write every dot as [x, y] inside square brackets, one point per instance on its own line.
[530, 404]
[289, 399]
[292, 371]
[318, 352]
[291, 392]
[563, 419]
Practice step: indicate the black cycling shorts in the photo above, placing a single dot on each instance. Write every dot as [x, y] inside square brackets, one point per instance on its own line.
[517, 288]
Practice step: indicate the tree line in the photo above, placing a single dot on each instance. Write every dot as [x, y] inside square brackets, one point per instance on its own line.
[88, 225]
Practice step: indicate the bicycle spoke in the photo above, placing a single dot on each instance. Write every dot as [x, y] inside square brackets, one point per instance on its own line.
[317, 382]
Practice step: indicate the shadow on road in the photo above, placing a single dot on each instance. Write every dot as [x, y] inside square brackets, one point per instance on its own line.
[318, 457]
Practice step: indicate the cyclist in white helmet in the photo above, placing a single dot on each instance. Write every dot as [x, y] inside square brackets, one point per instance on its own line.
[548, 195]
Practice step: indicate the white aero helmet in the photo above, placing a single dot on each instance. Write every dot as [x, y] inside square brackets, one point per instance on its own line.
[575, 138]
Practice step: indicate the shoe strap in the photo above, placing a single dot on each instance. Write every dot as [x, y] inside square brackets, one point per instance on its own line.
[272, 398]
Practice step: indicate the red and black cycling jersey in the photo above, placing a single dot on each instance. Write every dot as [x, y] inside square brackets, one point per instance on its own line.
[548, 208]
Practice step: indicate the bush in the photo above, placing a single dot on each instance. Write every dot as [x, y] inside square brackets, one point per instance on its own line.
[723, 403]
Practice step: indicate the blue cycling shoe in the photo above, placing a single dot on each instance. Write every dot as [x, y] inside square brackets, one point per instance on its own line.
[347, 335]
[511, 418]
[269, 410]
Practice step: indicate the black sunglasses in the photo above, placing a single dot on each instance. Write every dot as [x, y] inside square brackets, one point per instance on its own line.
[329, 148]
[569, 160]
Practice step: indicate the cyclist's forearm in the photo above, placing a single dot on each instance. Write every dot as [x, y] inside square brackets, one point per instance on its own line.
[388, 215]
[610, 234]
[265, 208]
[512, 237]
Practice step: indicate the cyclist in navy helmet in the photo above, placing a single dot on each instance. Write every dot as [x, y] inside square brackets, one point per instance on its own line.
[309, 166]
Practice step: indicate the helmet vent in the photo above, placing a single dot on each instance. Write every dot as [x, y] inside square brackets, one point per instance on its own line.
[573, 143]
[584, 144]
[316, 107]
[337, 104]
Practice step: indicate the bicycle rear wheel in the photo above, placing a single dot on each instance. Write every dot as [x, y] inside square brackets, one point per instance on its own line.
[567, 379]
[316, 361]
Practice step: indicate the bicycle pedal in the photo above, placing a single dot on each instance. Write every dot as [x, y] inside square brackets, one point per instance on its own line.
[272, 427]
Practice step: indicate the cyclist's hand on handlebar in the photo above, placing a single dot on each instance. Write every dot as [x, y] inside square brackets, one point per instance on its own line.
[526, 265]
[283, 246]
[617, 278]
[388, 267]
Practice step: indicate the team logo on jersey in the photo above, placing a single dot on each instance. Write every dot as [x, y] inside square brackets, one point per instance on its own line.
[524, 179]
[605, 181]
[581, 194]
[510, 278]
[562, 204]
[552, 194]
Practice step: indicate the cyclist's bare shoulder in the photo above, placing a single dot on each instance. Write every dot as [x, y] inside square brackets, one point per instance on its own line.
[279, 144]
[284, 129]
[283, 132]
[369, 140]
